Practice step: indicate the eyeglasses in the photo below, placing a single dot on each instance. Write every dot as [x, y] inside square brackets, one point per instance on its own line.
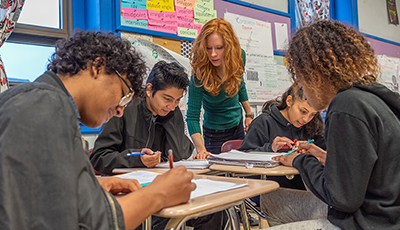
[127, 98]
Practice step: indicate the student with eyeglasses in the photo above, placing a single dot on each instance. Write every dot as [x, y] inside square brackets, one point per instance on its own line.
[46, 178]
[152, 125]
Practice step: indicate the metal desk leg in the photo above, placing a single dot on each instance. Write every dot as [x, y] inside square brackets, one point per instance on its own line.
[243, 216]
[233, 219]
[176, 223]
[146, 225]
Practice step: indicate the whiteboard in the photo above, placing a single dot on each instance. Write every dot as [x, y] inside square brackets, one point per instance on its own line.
[373, 20]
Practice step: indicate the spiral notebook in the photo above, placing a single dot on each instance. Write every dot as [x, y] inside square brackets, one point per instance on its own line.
[247, 159]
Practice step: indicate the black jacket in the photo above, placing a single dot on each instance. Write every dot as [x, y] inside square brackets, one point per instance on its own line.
[268, 125]
[361, 178]
[46, 179]
[135, 130]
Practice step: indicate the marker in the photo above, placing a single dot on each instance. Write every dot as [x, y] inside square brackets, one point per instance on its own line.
[138, 154]
[145, 184]
[294, 150]
[171, 159]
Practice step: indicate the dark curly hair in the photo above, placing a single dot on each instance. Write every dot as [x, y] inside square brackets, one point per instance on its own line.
[75, 53]
[165, 75]
[330, 54]
[314, 127]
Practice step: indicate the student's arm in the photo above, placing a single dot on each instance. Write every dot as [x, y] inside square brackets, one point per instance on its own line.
[247, 109]
[342, 182]
[257, 137]
[108, 152]
[171, 188]
[193, 115]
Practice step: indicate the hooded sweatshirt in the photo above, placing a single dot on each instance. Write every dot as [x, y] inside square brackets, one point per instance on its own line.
[270, 124]
[360, 181]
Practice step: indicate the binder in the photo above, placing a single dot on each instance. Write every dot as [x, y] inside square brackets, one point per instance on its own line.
[248, 160]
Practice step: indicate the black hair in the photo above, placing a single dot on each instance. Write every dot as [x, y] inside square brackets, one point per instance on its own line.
[165, 75]
[314, 127]
[75, 53]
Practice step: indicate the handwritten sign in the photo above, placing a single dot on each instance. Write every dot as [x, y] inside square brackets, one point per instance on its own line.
[134, 23]
[188, 4]
[183, 12]
[129, 13]
[161, 15]
[165, 29]
[163, 23]
[161, 5]
[185, 32]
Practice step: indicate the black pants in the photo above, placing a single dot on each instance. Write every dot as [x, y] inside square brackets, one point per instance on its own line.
[213, 139]
[215, 221]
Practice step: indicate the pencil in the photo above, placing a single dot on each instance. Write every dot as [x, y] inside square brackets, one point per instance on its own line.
[295, 149]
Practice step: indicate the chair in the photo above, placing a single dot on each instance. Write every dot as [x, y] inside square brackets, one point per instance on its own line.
[231, 144]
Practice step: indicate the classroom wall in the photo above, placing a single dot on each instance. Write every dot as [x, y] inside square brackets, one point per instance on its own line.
[373, 20]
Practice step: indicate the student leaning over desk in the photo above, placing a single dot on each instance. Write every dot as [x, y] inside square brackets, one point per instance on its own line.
[154, 123]
[217, 84]
[46, 179]
[358, 175]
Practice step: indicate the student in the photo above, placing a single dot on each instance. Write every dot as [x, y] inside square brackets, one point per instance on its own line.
[153, 125]
[46, 179]
[284, 121]
[217, 84]
[357, 175]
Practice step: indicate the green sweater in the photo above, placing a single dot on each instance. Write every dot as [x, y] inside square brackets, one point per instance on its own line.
[220, 112]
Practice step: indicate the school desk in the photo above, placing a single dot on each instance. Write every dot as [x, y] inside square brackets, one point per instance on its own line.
[280, 170]
[216, 202]
[128, 170]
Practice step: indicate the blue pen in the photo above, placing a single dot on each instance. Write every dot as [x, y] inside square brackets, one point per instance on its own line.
[294, 150]
[138, 154]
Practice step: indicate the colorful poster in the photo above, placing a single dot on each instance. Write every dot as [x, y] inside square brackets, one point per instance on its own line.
[392, 12]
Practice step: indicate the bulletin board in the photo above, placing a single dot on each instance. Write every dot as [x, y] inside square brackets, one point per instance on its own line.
[145, 24]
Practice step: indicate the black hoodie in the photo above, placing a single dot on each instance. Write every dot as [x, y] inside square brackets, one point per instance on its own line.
[138, 129]
[360, 181]
[270, 124]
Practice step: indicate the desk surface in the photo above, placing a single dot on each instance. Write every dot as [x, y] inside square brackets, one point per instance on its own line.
[274, 171]
[127, 170]
[221, 199]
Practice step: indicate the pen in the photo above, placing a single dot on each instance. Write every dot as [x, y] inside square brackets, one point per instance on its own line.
[294, 150]
[171, 159]
[145, 184]
[137, 154]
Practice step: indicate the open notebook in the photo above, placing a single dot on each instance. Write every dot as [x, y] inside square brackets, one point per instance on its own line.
[249, 159]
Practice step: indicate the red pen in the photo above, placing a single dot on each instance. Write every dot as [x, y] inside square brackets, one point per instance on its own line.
[171, 159]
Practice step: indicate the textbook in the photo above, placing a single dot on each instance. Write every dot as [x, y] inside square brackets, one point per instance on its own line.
[249, 159]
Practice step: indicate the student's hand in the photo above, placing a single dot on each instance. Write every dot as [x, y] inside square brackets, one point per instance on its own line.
[279, 142]
[174, 186]
[247, 122]
[116, 185]
[151, 159]
[314, 150]
[286, 160]
[202, 155]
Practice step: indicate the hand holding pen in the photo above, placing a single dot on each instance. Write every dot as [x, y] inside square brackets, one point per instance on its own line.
[148, 157]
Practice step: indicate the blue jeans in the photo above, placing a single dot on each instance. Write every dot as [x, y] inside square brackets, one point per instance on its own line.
[213, 139]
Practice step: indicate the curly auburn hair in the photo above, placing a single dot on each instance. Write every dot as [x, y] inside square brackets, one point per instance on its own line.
[330, 54]
[313, 127]
[75, 53]
[203, 69]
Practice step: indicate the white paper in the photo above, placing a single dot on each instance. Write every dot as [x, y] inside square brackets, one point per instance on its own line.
[141, 176]
[206, 187]
[281, 36]
[250, 156]
[190, 164]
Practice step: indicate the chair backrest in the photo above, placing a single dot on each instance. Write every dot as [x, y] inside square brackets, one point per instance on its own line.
[231, 144]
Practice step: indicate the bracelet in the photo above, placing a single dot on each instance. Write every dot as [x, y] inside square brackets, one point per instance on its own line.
[251, 115]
